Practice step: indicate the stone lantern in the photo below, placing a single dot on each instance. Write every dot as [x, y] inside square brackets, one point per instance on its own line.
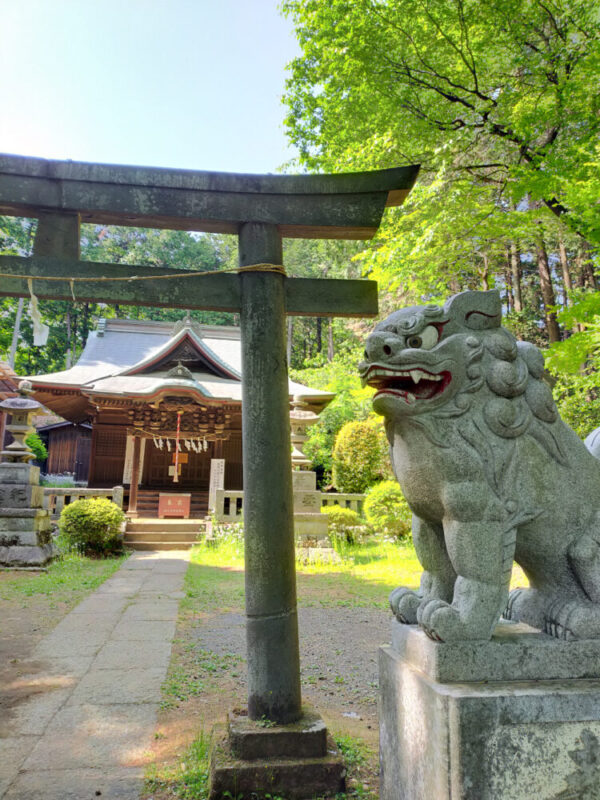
[24, 523]
[301, 418]
[310, 525]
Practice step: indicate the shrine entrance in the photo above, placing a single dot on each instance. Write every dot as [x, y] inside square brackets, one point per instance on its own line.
[194, 468]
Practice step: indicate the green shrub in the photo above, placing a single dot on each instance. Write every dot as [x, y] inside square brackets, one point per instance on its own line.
[38, 448]
[360, 455]
[578, 401]
[92, 526]
[387, 510]
[342, 523]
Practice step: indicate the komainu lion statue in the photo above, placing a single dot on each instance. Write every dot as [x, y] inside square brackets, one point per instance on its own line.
[490, 472]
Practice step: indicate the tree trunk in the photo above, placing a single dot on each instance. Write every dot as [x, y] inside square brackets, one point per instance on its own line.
[515, 268]
[319, 334]
[290, 334]
[16, 332]
[547, 290]
[588, 265]
[564, 264]
[68, 353]
[330, 350]
[74, 338]
[579, 269]
[510, 301]
[85, 324]
[485, 273]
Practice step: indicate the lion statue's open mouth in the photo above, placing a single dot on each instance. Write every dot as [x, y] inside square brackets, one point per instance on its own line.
[412, 384]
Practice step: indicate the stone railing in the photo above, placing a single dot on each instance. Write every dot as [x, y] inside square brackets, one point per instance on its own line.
[229, 504]
[345, 500]
[55, 499]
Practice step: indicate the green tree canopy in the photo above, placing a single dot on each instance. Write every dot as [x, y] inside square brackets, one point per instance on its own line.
[493, 89]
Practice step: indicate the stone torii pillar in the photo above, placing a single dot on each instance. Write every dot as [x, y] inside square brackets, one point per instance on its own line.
[260, 209]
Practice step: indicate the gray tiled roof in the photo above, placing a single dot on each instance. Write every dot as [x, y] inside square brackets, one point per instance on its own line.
[118, 347]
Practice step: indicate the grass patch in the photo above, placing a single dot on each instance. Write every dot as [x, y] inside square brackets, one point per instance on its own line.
[365, 575]
[358, 757]
[66, 580]
[188, 780]
[193, 672]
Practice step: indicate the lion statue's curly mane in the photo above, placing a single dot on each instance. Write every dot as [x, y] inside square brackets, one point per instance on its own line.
[490, 471]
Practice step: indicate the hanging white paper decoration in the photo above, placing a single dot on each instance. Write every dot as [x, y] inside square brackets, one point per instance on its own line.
[40, 331]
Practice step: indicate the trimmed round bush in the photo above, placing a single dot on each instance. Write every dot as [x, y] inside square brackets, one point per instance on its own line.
[360, 455]
[342, 522]
[387, 511]
[92, 526]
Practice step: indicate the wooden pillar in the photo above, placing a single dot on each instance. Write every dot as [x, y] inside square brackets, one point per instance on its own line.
[272, 623]
[135, 476]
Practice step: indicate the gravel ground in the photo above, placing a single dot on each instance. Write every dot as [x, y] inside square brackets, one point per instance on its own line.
[338, 653]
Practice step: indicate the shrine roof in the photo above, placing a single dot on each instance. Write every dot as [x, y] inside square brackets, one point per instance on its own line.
[8, 380]
[123, 358]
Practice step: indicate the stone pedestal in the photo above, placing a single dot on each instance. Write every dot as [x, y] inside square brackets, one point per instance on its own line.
[310, 525]
[24, 524]
[251, 759]
[510, 719]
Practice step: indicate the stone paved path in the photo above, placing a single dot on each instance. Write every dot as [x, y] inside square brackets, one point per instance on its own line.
[85, 734]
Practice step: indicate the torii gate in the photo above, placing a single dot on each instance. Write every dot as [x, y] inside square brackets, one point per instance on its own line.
[260, 209]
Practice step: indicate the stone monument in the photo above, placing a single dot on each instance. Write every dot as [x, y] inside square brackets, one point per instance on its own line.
[472, 707]
[24, 524]
[310, 525]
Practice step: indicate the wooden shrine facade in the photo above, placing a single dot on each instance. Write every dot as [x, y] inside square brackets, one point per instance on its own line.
[163, 401]
[205, 432]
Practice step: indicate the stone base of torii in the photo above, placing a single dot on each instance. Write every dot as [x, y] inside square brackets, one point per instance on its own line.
[298, 760]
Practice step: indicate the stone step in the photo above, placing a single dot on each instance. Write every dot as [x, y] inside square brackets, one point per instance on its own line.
[162, 536]
[158, 525]
[172, 545]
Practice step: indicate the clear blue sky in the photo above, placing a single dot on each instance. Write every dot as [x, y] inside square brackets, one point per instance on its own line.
[195, 84]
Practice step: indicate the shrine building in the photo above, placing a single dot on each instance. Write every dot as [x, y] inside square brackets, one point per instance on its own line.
[163, 400]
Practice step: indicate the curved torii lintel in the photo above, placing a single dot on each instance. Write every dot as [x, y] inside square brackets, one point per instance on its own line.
[340, 206]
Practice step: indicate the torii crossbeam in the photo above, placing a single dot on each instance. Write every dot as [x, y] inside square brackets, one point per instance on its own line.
[260, 209]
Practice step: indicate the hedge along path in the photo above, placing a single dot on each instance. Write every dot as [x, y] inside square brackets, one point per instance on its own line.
[98, 674]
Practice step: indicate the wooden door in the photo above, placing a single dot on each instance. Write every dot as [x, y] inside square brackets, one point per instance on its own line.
[82, 458]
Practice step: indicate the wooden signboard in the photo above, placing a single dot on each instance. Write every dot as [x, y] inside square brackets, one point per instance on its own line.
[174, 505]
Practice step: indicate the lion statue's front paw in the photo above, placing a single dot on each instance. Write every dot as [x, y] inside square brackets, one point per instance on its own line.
[443, 623]
[404, 604]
